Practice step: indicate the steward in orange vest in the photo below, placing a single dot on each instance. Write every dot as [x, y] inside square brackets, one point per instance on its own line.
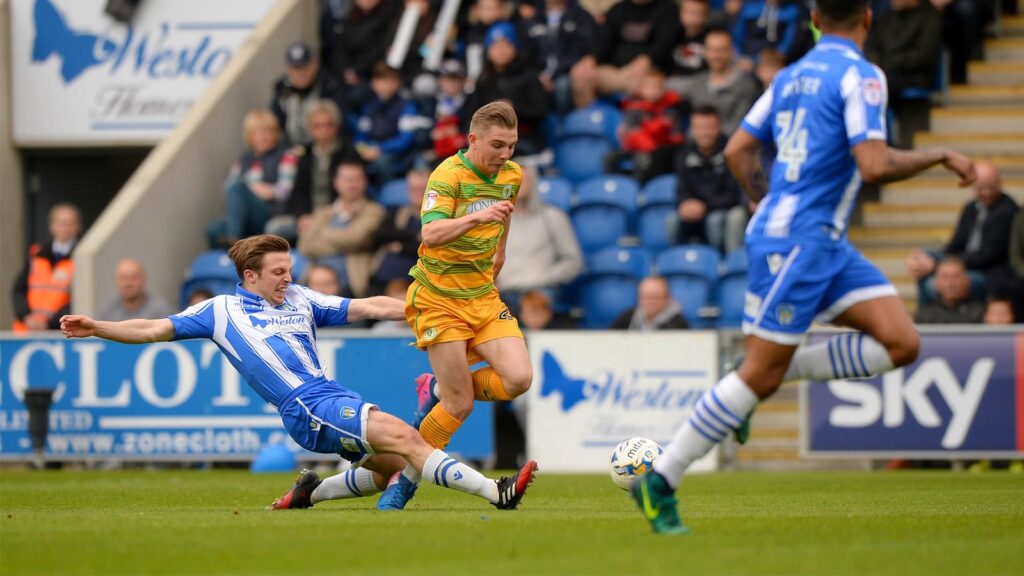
[43, 289]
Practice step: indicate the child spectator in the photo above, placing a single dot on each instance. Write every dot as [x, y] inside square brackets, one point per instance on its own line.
[259, 183]
[385, 130]
[652, 128]
[448, 136]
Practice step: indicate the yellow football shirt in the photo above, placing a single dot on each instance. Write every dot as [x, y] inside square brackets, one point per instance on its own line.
[464, 267]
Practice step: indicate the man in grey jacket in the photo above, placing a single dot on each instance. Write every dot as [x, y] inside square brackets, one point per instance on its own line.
[542, 252]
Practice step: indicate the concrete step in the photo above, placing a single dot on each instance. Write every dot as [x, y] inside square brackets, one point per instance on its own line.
[1011, 26]
[900, 237]
[974, 143]
[1006, 49]
[968, 95]
[988, 120]
[877, 214]
[891, 261]
[933, 191]
[995, 73]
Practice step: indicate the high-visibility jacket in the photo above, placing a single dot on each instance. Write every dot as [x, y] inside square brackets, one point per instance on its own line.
[49, 285]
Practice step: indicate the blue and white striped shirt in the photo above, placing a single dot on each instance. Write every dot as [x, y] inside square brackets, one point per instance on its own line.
[816, 111]
[272, 347]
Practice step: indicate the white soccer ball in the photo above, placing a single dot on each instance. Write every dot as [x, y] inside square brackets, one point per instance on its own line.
[632, 458]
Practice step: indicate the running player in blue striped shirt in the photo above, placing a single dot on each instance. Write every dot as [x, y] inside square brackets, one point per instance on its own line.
[826, 116]
[267, 330]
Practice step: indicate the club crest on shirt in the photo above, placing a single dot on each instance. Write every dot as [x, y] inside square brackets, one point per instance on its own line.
[506, 192]
[430, 333]
[784, 313]
[348, 412]
[872, 91]
[774, 262]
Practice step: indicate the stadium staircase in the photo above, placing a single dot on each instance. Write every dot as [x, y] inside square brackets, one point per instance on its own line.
[984, 119]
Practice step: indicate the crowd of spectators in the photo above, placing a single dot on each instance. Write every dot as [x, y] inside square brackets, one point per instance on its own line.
[342, 123]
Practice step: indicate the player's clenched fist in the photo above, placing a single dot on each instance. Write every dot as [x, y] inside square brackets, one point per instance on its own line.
[77, 326]
[498, 212]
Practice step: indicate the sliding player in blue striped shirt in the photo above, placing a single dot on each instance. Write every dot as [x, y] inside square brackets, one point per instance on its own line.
[826, 115]
[267, 330]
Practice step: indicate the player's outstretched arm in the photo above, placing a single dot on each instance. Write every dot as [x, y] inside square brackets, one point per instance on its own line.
[745, 164]
[440, 232]
[127, 331]
[376, 308]
[879, 164]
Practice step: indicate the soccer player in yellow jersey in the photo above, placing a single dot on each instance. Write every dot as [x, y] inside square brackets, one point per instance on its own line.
[453, 306]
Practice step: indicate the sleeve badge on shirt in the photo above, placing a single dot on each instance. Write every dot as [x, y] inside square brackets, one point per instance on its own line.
[872, 91]
[430, 201]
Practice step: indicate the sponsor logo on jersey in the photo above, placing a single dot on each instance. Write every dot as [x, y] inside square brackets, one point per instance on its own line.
[480, 205]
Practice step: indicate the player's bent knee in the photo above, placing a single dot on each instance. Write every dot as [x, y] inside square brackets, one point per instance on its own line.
[518, 382]
[906, 350]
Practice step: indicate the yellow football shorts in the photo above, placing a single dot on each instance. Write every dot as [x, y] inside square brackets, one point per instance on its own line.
[436, 319]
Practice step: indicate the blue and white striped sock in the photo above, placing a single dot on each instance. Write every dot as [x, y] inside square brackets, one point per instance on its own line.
[719, 411]
[447, 472]
[349, 484]
[847, 355]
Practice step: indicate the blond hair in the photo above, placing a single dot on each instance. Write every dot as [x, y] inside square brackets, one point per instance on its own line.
[247, 254]
[256, 119]
[494, 114]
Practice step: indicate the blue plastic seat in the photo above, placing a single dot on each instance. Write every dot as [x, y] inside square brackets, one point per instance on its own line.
[692, 273]
[580, 157]
[213, 271]
[605, 206]
[732, 289]
[657, 220]
[556, 192]
[610, 286]
[394, 194]
[595, 120]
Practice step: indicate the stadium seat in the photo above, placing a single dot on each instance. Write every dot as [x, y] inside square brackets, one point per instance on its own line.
[595, 120]
[657, 218]
[556, 192]
[610, 286]
[732, 289]
[394, 194]
[605, 205]
[299, 265]
[580, 157]
[691, 272]
[212, 271]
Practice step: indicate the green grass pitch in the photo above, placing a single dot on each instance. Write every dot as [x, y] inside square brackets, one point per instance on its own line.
[192, 522]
